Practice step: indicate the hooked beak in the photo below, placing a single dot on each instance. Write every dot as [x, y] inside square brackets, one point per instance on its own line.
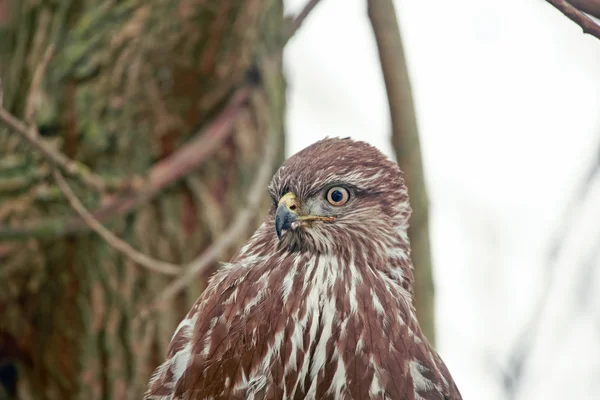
[286, 214]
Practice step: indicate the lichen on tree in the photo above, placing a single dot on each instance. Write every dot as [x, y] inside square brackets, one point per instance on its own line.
[129, 83]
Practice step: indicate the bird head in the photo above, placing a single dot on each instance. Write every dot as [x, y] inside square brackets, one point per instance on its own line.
[336, 192]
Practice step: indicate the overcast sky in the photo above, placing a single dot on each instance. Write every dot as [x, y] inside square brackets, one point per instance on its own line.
[508, 99]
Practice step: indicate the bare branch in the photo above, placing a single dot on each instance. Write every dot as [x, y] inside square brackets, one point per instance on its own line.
[405, 139]
[231, 235]
[167, 171]
[163, 173]
[110, 238]
[56, 158]
[591, 7]
[519, 355]
[39, 73]
[295, 23]
[201, 147]
[587, 24]
[301, 17]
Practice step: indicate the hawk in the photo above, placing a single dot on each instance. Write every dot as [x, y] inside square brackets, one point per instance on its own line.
[319, 302]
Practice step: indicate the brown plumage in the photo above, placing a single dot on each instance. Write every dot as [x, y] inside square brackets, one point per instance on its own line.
[318, 304]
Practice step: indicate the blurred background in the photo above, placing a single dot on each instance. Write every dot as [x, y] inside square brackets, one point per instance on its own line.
[196, 99]
[507, 97]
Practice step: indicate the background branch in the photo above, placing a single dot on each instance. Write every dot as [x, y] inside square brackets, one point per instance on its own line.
[405, 140]
[591, 7]
[110, 238]
[295, 23]
[165, 172]
[301, 17]
[513, 375]
[35, 83]
[574, 14]
[55, 157]
[228, 238]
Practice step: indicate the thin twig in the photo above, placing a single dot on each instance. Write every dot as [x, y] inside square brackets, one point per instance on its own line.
[187, 158]
[302, 15]
[230, 237]
[110, 238]
[167, 171]
[293, 24]
[591, 7]
[521, 351]
[586, 23]
[56, 158]
[39, 73]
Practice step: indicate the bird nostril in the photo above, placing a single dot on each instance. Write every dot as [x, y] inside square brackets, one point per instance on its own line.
[293, 207]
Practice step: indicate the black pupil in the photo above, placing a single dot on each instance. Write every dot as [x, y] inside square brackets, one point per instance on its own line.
[337, 196]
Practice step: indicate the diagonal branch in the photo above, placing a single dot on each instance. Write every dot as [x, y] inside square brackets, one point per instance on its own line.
[301, 17]
[165, 172]
[110, 238]
[520, 354]
[295, 23]
[35, 83]
[591, 7]
[55, 157]
[231, 235]
[574, 14]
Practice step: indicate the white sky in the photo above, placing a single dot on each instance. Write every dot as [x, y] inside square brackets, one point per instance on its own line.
[508, 99]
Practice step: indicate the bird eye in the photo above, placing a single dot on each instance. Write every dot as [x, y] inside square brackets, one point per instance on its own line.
[338, 196]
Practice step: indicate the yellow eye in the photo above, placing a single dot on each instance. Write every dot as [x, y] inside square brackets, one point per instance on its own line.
[338, 196]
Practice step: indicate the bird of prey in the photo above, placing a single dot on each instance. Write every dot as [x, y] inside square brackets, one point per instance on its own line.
[319, 302]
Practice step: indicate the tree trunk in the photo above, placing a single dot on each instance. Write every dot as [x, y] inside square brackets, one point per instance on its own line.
[128, 82]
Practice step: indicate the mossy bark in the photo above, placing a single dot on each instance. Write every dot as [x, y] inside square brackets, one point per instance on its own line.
[129, 81]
